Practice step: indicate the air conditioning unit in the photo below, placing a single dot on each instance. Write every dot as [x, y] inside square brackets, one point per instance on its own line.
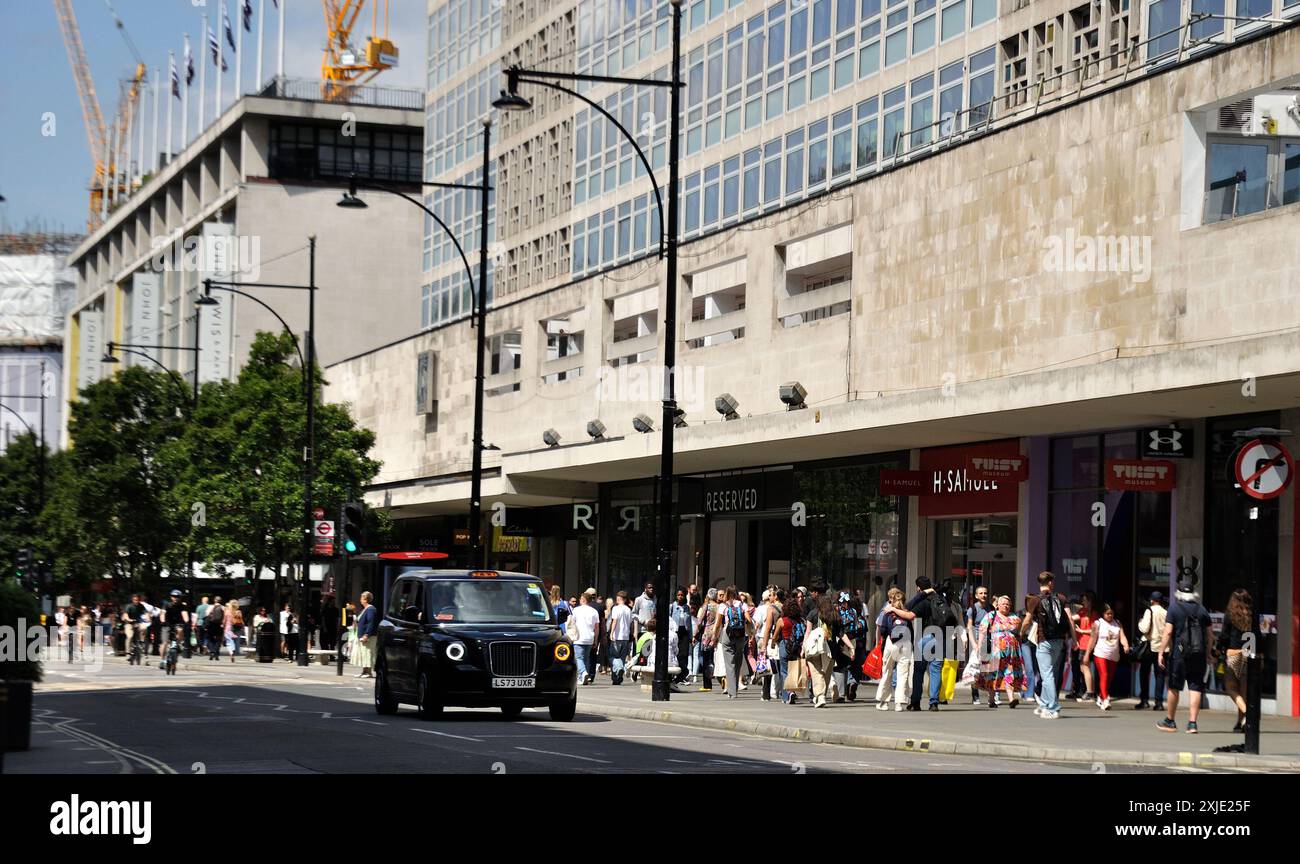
[426, 383]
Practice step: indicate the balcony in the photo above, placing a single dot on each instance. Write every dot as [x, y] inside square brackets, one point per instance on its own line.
[373, 95]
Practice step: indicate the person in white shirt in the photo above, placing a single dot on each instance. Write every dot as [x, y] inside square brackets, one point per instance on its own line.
[1108, 640]
[620, 636]
[586, 622]
[644, 609]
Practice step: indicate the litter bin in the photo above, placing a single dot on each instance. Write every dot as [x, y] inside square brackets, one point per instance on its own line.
[266, 637]
[119, 642]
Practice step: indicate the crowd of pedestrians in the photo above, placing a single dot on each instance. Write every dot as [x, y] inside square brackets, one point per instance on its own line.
[817, 645]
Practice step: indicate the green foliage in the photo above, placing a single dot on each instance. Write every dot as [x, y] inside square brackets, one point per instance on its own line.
[17, 603]
[241, 461]
[108, 510]
[19, 500]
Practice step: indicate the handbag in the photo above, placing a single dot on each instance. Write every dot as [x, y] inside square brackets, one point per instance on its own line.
[796, 679]
[948, 679]
[762, 666]
[814, 642]
[871, 667]
[1137, 653]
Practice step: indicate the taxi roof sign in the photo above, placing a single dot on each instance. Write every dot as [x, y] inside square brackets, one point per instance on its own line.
[483, 574]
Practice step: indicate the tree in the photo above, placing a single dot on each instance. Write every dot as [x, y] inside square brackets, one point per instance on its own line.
[20, 510]
[109, 510]
[240, 463]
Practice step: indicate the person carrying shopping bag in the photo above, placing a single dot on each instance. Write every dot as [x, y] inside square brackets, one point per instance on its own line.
[897, 658]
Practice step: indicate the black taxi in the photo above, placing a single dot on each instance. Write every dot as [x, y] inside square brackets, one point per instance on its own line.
[473, 638]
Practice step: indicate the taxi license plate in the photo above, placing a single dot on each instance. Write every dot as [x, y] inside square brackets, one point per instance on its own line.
[512, 683]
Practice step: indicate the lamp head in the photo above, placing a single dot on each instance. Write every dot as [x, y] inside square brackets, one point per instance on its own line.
[510, 100]
[726, 405]
[596, 430]
[551, 438]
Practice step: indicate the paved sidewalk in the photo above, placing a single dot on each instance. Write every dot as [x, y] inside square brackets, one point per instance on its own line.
[1083, 733]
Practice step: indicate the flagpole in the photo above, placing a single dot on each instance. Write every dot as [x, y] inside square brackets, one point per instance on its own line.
[171, 64]
[154, 162]
[239, 51]
[221, 58]
[261, 20]
[280, 63]
[203, 79]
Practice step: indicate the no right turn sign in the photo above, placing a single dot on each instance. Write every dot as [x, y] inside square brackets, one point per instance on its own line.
[1263, 469]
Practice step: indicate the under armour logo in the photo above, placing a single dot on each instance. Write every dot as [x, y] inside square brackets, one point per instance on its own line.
[1173, 440]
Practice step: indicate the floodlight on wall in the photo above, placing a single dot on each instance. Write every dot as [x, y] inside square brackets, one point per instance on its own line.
[643, 423]
[726, 405]
[793, 395]
[551, 438]
[596, 430]
[679, 419]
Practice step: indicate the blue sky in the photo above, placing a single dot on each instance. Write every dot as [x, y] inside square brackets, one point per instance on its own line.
[44, 177]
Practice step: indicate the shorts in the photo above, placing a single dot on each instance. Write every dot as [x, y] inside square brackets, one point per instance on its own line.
[1187, 670]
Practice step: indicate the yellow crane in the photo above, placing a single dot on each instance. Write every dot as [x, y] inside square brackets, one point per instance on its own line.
[106, 175]
[342, 68]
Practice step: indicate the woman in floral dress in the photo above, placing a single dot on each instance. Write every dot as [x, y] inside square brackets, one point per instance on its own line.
[1002, 669]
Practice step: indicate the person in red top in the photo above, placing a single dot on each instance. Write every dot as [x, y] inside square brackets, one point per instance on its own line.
[1082, 683]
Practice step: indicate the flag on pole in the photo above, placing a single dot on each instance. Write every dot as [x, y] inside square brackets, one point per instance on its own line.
[189, 62]
[215, 47]
[230, 34]
[248, 15]
[175, 76]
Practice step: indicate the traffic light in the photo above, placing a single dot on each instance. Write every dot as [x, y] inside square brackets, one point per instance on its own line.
[352, 527]
[25, 563]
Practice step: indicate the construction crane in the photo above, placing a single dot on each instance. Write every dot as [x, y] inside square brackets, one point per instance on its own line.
[342, 68]
[104, 151]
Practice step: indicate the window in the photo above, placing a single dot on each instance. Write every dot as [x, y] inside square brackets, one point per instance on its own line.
[867, 137]
[711, 176]
[808, 284]
[869, 59]
[894, 120]
[772, 171]
[842, 144]
[981, 86]
[1246, 176]
[752, 190]
[923, 35]
[305, 152]
[817, 154]
[730, 188]
[1162, 17]
[950, 107]
[896, 41]
[922, 111]
[953, 20]
[794, 162]
[982, 12]
[1210, 27]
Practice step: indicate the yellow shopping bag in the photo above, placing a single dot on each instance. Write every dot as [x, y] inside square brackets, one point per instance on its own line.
[949, 680]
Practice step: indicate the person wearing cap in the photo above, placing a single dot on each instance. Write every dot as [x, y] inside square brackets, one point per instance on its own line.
[1150, 628]
[177, 614]
[1182, 656]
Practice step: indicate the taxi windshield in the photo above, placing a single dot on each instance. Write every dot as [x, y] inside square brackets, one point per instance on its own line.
[487, 601]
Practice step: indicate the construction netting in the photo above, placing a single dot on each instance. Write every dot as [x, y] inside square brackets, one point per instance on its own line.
[36, 292]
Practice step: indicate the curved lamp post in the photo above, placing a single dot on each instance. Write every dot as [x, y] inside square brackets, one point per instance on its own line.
[142, 351]
[511, 100]
[478, 554]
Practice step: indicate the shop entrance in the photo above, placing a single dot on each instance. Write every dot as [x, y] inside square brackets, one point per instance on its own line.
[977, 551]
[751, 552]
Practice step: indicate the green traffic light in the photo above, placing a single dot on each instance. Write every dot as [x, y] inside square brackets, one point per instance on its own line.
[349, 546]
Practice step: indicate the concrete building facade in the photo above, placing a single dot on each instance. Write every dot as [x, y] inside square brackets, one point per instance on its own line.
[1027, 342]
[239, 203]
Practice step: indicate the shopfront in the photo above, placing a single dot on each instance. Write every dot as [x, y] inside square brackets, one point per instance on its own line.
[970, 504]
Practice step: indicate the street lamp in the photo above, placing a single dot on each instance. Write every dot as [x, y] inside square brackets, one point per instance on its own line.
[349, 200]
[309, 393]
[511, 100]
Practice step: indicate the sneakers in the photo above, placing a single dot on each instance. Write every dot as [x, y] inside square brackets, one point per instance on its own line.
[1105, 704]
[1191, 727]
[1049, 715]
[898, 707]
[975, 699]
[883, 706]
[1038, 712]
[1167, 725]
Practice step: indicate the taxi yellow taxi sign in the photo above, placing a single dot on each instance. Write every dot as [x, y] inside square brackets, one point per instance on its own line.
[483, 574]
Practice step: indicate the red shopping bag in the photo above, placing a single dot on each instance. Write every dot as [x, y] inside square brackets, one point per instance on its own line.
[871, 665]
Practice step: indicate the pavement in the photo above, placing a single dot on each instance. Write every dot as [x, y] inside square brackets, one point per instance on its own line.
[1083, 734]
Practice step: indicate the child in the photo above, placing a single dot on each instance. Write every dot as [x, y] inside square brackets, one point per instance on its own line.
[1107, 641]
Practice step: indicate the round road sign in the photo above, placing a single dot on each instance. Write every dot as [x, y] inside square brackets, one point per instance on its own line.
[1263, 469]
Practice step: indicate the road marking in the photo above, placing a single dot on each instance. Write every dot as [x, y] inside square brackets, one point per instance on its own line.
[447, 735]
[566, 755]
[367, 722]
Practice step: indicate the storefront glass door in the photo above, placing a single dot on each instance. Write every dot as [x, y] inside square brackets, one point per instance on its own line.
[980, 551]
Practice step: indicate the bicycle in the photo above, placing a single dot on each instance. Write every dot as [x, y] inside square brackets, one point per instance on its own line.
[172, 653]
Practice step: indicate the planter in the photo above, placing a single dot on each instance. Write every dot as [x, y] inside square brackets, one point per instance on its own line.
[16, 734]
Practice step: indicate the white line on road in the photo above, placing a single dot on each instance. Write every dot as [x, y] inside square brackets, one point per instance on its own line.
[367, 722]
[447, 735]
[565, 755]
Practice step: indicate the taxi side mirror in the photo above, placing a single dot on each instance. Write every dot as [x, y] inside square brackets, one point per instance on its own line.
[411, 614]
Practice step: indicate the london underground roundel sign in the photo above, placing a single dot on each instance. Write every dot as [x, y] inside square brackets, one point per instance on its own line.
[1263, 469]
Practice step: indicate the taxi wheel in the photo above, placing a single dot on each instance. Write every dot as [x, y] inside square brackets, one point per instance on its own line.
[384, 701]
[563, 711]
[428, 708]
[512, 712]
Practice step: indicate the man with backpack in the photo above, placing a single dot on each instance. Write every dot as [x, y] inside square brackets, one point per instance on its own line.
[729, 626]
[1185, 641]
[936, 614]
[215, 628]
[1055, 629]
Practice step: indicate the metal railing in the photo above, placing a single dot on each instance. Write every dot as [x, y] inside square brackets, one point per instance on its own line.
[1088, 75]
[374, 95]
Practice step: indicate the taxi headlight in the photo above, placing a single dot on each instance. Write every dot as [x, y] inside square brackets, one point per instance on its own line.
[563, 651]
[456, 651]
